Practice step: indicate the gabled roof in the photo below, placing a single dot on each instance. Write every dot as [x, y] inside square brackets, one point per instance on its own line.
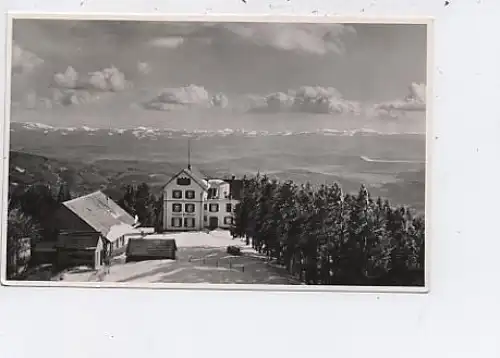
[194, 174]
[102, 214]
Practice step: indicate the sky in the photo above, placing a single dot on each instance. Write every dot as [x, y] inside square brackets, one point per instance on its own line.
[67, 65]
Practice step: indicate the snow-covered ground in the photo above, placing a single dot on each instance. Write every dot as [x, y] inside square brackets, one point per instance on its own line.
[212, 239]
[145, 271]
[77, 274]
[201, 258]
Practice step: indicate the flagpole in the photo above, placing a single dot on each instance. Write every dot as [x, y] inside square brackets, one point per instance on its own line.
[189, 153]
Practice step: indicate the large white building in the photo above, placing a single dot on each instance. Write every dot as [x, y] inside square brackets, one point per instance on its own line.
[192, 202]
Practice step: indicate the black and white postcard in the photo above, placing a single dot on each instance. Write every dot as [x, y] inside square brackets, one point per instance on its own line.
[211, 152]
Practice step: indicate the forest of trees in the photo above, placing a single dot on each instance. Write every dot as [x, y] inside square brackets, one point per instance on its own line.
[320, 234]
[138, 200]
[324, 236]
[30, 212]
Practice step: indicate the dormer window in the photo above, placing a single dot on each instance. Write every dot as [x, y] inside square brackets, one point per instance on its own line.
[212, 193]
[184, 181]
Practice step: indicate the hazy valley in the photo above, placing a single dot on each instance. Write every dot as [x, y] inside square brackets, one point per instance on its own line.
[391, 165]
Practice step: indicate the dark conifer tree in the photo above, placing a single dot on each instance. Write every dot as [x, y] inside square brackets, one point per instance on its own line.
[64, 193]
[127, 202]
[158, 213]
[144, 205]
[326, 237]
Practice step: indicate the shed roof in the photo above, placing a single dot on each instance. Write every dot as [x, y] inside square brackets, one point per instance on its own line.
[152, 248]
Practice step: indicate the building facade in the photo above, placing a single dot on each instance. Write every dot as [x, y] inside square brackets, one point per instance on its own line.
[219, 206]
[93, 216]
[192, 202]
[183, 199]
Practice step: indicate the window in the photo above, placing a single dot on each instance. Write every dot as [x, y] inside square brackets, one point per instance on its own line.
[189, 194]
[212, 193]
[183, 181]
[228, 207]
[122, 241]
[205, 206]
[189, 208]
[228, 220]
[189, 222]
[176, 222]
[177, 194]
[214, 208]
[205, 218]
[176, 208]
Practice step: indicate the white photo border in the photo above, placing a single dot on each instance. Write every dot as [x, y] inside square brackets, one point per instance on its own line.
[313, 19]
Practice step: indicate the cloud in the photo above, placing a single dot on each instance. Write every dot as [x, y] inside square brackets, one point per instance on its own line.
[60, 98]
[107, 80]
[191, 96]
[144, 68]
[167, 42]
[24, 61]
[415, 100]
[306, 99]
[219, 100]
[68, 79]
[316, 39]
[69, 97]
[72, 88]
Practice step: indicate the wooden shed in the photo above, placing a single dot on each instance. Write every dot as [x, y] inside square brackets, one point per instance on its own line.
[151, 249]
[80, 249]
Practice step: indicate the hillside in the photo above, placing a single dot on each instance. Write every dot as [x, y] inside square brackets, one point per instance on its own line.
[26, 169]
[90, 159]
[111, 175]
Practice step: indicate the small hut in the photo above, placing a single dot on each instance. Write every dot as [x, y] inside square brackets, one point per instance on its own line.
[151, 249]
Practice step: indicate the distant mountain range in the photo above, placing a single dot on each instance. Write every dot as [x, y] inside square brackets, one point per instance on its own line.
[89, 159]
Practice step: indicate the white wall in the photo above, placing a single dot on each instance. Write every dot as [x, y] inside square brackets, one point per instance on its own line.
[98, 255]
[222, 213]
[169, 199]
